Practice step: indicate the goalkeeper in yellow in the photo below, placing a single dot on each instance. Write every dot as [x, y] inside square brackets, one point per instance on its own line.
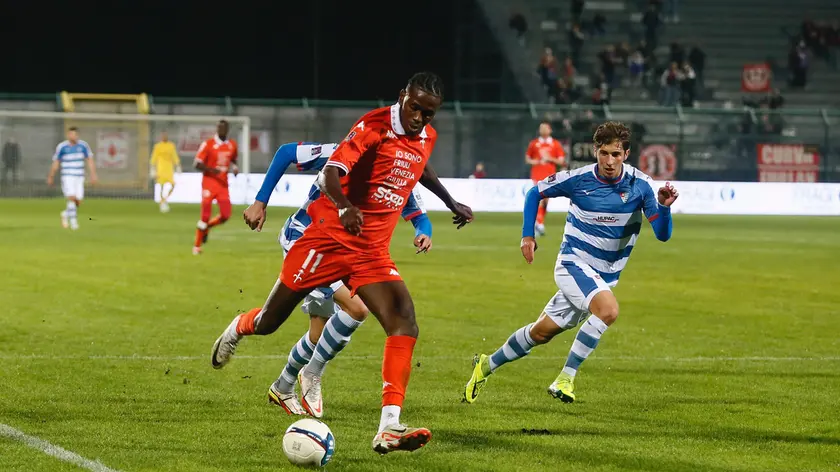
[163, 165]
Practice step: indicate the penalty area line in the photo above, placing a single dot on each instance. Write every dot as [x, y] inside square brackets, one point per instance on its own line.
[52, 450]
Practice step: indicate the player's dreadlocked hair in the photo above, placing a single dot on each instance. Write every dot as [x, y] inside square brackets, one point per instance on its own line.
[428, 82]
[610, 132]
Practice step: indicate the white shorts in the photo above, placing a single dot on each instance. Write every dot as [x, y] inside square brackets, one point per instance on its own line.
[320, 301]
[73, 186]
[578, 283]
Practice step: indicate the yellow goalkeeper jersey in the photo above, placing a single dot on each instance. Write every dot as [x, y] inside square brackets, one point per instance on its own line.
[165, 159]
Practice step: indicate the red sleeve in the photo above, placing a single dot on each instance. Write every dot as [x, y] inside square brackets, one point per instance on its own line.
[558, 149]
[532, 150]
[201, 155]
[235, 155]
[361, 138]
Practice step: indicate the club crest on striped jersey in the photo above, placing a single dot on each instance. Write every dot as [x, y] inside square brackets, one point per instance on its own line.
[624, 196]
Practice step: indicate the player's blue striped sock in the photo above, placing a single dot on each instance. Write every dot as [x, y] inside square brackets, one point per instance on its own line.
[518, 345]
[586, 341]
[299, 356]
[71, 210]
[336, 335]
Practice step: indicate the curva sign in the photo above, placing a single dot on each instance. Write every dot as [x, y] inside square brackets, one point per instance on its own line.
[788, 162]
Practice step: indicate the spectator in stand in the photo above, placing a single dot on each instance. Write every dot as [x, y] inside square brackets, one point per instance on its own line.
[569, 72]
[479, 171]
[669, 86]
[677, 53]
[671, 11]
[636, 67]
[518, 24]
[688, 85]
[577, 10]
[770, 123]
[547, 70]
[774, 99]
[623, 52]
[697, 59]
[601, 94]
[598, 25]
[607, 58]
[576, 38]
[651, 23]
[562, 97]
[798, 61]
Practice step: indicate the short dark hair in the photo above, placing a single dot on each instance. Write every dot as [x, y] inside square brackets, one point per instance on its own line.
[428, 82]
[73, 128]
[224, 121]
[610, 132]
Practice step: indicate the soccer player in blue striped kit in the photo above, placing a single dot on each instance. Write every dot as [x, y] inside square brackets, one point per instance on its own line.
[607, 200]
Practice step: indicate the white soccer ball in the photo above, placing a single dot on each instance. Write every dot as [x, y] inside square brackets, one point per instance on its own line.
[309, 442]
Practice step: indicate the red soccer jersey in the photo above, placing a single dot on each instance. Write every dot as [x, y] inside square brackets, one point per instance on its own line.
[542, 148]
[382, 164]
[217, 153]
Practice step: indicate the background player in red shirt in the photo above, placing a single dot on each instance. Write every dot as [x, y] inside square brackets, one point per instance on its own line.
[544, 154]
[215, 158]
[365, 184]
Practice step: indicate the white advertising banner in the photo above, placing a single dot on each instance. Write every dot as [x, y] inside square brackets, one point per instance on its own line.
[508, 195]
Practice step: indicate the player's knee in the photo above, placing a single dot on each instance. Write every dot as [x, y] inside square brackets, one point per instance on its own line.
[358, 311]
[608, 314]
[405, 321]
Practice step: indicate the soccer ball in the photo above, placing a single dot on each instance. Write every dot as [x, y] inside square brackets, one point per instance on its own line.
[309, 442]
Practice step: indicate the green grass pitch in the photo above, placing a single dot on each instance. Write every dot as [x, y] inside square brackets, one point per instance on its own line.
[726, 355]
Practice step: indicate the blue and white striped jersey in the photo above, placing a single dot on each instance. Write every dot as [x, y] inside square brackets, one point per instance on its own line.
[72, 157]
[605, 218]
[313, 156]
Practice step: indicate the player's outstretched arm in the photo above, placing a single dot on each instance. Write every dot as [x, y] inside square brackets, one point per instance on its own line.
[329, 180]
[528, 245]
[255, 214]
[661, 221]
[430, 180]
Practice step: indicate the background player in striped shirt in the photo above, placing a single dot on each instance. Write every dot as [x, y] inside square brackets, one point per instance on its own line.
[163, 164]
[70, 156]
[333, 313]
[602, 227]
[215, 157]
[544, 154]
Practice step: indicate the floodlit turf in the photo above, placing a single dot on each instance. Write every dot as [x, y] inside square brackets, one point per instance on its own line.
[726, 355]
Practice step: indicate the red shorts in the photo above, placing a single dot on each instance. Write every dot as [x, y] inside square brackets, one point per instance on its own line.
[215, 193]
[317, 260]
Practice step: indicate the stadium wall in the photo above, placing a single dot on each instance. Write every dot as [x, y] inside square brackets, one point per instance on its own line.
[711, 198]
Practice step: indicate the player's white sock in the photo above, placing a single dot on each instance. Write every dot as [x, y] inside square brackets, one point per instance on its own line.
[390, 415]
[586, 341]
[335, 336]
[71, 212]
[298, 357]
[518, 345]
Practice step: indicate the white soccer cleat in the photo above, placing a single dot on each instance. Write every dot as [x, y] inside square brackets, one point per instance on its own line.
[286, 401]
[225, 346]
[65, 223]
[397, 437]
[74, 225]
[539, 229]
[196, 251]
[310, 394]
[164, 207]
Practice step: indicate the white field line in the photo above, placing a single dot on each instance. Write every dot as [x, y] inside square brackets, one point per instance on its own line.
[52, 450]
[699, 359]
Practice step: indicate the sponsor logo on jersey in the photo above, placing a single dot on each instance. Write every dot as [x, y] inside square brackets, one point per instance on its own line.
[316, 150]
[410, 156]
[389, 198]
[350, 136]
[605, 219]
[361, 125]
[551, 178]
[390, 134]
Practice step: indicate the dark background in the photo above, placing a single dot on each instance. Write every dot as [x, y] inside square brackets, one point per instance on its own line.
[327, 49]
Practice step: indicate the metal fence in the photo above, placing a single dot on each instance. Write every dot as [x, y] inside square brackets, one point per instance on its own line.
[745, 144]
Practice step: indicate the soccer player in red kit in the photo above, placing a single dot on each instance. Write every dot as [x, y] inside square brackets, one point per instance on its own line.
[544, 154]
[215, 158]
[364, 186]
